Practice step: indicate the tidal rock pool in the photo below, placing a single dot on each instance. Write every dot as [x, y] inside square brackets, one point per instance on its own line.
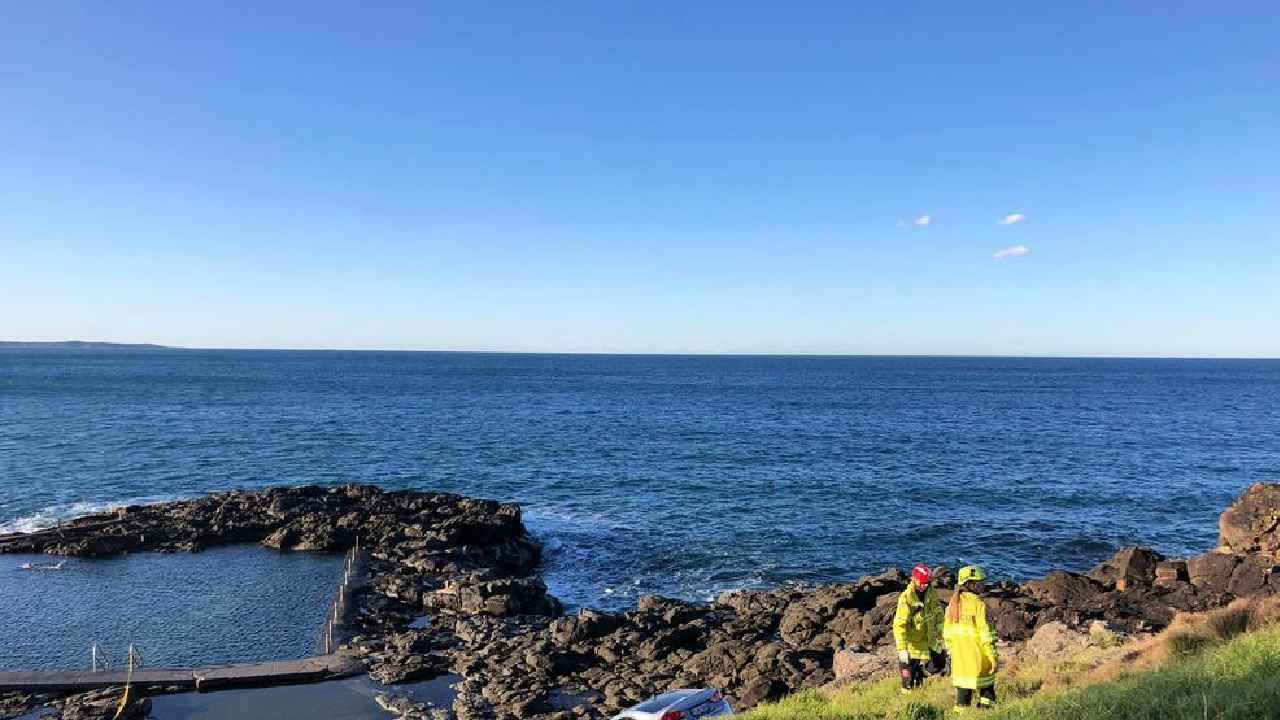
[356, 698]
[224, 605]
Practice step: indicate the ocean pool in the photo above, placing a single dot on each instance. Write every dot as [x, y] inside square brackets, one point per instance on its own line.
[224, 605]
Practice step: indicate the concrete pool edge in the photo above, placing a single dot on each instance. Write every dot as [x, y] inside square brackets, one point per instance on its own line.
[289, 672]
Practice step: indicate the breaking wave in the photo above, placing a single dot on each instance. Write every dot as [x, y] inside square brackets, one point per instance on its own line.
[52, 515]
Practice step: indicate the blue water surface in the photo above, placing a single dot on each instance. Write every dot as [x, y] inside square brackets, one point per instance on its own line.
[224, 605]
[678, 475]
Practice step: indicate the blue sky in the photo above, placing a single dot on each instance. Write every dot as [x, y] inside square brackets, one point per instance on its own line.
[644, 177]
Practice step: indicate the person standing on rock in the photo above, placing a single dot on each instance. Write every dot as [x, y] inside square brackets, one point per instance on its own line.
[971, 641]
[917, 629]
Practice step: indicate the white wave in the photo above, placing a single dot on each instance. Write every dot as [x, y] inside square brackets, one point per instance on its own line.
[42, 566]
[546, 522]
[52, 515]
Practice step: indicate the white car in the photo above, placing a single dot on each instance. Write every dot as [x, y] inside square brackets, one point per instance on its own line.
[680, 705]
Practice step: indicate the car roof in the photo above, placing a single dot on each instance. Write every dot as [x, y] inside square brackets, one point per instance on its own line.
[675, 700]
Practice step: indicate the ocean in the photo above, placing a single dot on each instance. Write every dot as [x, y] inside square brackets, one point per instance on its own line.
[683, 476]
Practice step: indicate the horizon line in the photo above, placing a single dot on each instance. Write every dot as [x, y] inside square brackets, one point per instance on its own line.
[107, 344]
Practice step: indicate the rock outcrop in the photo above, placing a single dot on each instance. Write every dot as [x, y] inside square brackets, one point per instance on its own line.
[469, 566]
[1252, 525]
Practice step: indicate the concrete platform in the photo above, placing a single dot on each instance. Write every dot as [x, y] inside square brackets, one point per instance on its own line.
[74, 681]
[290, 672]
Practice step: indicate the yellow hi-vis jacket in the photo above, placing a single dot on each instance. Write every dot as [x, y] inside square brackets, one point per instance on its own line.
[917, 624]
[972, 644]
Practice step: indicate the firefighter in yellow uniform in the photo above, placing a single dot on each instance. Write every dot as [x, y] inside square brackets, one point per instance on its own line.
[917, 629]
[971, 641]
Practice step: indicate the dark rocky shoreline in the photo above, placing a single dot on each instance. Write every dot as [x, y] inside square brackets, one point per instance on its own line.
[470, 566]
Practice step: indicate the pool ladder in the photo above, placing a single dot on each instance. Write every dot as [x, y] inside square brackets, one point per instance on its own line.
[99, 661]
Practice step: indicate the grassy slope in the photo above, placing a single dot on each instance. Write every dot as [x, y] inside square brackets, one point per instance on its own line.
[1237, 679]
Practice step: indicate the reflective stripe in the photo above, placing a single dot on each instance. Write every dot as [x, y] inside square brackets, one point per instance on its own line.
[967, 631]
[973, 683]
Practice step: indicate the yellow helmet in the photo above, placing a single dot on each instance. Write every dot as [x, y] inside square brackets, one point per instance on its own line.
[970, 572]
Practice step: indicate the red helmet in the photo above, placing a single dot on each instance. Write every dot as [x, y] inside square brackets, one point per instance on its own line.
[921, 574]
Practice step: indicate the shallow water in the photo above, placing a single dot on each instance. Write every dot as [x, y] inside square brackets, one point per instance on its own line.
[349, 699]
[224, 605]
[677, 475]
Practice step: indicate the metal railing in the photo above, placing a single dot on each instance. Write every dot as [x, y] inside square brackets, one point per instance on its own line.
[339, 607]
[99, 661]
[98, 657]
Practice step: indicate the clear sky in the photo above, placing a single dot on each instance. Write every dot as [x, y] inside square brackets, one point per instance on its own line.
[644, 176]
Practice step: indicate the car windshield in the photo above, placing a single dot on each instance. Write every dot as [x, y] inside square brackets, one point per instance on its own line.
[661, 701]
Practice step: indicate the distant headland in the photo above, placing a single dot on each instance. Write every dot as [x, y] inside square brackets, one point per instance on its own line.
[80, 345]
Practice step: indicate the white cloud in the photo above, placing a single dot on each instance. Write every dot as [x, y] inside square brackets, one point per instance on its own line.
[922, 221]
[1013, 219]
[1012, 251]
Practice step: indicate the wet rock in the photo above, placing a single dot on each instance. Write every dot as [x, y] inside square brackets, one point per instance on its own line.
[282, 539]
[14, 704]
[303, 518]
[104, 705]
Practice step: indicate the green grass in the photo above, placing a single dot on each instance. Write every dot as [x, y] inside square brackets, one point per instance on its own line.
[1237, 679]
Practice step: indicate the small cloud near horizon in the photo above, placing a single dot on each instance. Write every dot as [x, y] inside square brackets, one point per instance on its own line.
[1012, 251]
[922, 221]
[1012, 219]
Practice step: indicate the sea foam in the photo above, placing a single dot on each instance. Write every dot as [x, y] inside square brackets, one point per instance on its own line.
[52, 515]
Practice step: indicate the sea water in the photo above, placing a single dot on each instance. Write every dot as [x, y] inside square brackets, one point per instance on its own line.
[223, 605]
[683, 476]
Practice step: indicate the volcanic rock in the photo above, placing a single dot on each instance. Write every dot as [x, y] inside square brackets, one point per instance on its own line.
[1252, 575]
[1252, 523]
[469, 566]
[1131, 565]
[1212, 571]
[1063, 588]
[1171, 572]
